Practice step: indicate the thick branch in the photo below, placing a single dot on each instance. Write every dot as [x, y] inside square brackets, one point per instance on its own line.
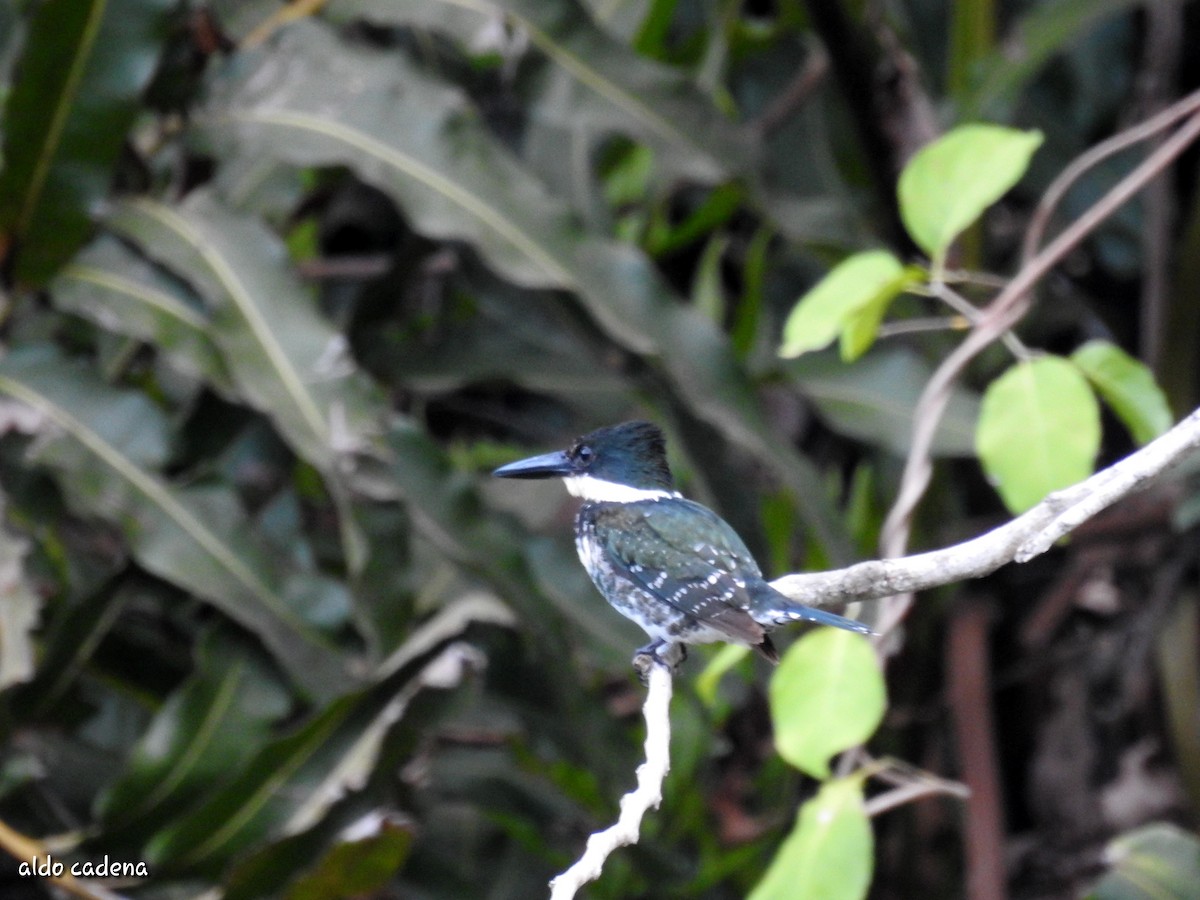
[1020, 540]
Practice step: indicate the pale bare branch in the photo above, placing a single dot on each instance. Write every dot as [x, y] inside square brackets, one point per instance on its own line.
[1019, 540]
[647, 794]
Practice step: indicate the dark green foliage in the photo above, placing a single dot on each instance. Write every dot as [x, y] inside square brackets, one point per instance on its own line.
[265, 623]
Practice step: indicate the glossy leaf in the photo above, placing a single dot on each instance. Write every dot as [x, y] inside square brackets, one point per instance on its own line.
[1128, 386]
[286, 359]
[949, 183]
[829, 855]
[826, 696]
[868, 279]
[1039, 430]
[197, 538]
[1152, 862]
[110, 285]
[291, 782]
[204, 732]
[77, 91]
[596, 78]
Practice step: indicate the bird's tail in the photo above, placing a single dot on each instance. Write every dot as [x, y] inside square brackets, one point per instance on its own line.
[772, 606]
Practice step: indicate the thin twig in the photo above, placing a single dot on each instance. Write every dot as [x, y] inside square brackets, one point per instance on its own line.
[1143, 131]
[917, 326]
[906, 793]
[961, 305]
[647, 794]
[1008, 308]
[796, 93]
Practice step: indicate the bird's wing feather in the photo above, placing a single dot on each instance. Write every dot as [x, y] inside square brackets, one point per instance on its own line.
[700, 568]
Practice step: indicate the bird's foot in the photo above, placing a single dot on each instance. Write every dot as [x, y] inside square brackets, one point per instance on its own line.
[669, 654]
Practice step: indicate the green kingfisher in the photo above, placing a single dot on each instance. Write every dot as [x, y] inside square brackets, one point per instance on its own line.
[674, 567]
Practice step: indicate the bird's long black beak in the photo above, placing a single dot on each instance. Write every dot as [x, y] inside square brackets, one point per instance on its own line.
[548, 465]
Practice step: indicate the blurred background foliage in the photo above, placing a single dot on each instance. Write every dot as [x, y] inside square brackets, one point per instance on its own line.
[283, 282]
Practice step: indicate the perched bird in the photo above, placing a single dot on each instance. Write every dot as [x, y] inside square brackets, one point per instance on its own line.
[671, 565]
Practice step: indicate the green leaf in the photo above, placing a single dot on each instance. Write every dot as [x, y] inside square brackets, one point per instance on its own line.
[708, 681]
[829, 854]
[1128, 386]
[1155, 862]
[75, 97]
[948, 184]
[596, 78]
[356, 867]
[205, 731]
[873, 400]
[197, 538]
[110, 285]
[826, 696]
[1039, 430]
[873, 277]
[286, 359]
[289, 784]
[708, 292]
[862, 326]
[1041, 32]
[861, 329]
[69, 642]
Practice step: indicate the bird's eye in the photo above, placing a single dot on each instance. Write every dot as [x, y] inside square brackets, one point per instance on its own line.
[585, 454]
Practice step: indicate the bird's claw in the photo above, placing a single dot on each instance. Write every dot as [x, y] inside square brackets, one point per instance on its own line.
[658, 653]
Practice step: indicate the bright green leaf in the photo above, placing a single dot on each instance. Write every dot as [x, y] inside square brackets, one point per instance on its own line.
[1154, 862]
[826, 696]
[862, 326]
[1128, 386]
[949, 183]
[1039, 430]
[864, 279]
[830, 853]
[723, 660]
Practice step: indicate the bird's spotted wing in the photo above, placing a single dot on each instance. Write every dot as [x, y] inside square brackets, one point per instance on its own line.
[687, 557]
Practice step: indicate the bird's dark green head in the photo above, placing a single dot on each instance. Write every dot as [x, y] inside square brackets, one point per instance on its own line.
[622, 462]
